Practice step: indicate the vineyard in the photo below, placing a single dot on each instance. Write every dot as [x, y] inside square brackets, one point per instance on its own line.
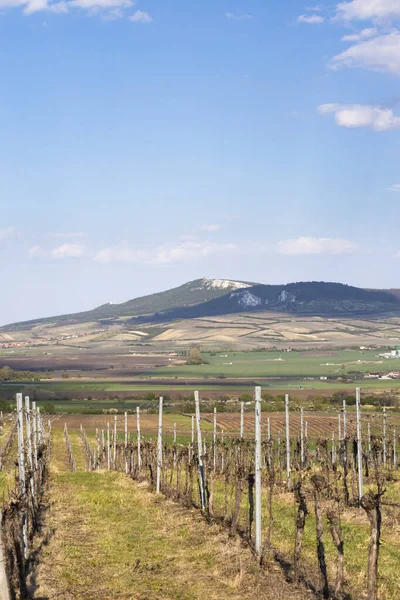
[253, 505]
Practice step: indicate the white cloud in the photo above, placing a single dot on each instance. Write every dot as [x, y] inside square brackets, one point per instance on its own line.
[7, 234]
[30, 7]
[361, 35]
[310, 19]
[382, 53]
[243, 17]
[141, 17]
[68, 251]
[210, 228]
[36, 252]
[310, 245]
[181, 252]
[361, 115]
[95, 5]
[316, 8]
[111, 8]
[394, 188]
[368, 10]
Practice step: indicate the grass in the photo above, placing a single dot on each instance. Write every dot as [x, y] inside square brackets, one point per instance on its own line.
[113, 539]
[284, 364]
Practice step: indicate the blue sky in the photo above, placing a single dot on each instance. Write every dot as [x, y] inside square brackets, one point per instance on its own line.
[144, 144]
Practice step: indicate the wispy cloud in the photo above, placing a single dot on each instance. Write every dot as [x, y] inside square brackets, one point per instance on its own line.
[395, 187]
[181, 252]
[242, 17]
[211, 228]
[7, 234]
[361, 115]
[311, 245]
[36, 252]
[63, 251]
[364, 34]
[141, 17]
[68, 251]
[382, 53]
[316, 8]
[310, 19]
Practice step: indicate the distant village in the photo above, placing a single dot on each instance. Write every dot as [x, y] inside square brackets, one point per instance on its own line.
[392, 374]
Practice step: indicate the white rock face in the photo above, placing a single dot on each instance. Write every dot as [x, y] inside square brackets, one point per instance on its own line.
[246, 299]
[285, 297]
[224, 284]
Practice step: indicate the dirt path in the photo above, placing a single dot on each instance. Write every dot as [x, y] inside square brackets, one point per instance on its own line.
[112, 539]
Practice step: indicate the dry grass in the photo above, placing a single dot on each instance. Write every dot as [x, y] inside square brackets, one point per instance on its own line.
[113, 539]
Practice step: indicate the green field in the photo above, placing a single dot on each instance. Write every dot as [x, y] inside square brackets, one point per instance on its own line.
[284, 364]
[227, 372]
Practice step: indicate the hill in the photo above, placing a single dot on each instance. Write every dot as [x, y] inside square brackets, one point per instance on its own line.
[313, 298]
[189, 294]
[217, 297]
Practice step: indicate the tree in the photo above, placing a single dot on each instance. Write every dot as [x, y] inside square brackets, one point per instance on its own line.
[195, 357]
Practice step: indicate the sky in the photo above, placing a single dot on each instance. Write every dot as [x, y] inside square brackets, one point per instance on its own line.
[147, 143]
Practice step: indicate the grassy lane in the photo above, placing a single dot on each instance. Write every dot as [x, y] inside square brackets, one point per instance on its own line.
[112, 539]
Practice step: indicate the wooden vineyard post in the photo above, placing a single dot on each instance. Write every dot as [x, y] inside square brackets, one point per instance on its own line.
[174, 445]
[108, 447]
[200, 451]
[139, 458]
[215, 439]
[115, 442]
[28, 431]
[29, 440]
[39, 426]
[192, 431]
[126, 442]
[394, 448]
[34, 428]
[287, 440]
[384, 415]
[369, 439]
[223, 453]
[241, 420]
[257, 432]
[21, 471]
[159, 445]
[339, 434]
[359, 447]
[344, 432]
[302, 437]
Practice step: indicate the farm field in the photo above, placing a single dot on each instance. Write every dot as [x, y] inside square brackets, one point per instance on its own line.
[295, 364]
[320, 424]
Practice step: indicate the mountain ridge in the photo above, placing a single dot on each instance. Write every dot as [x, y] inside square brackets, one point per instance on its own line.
[212, 297]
